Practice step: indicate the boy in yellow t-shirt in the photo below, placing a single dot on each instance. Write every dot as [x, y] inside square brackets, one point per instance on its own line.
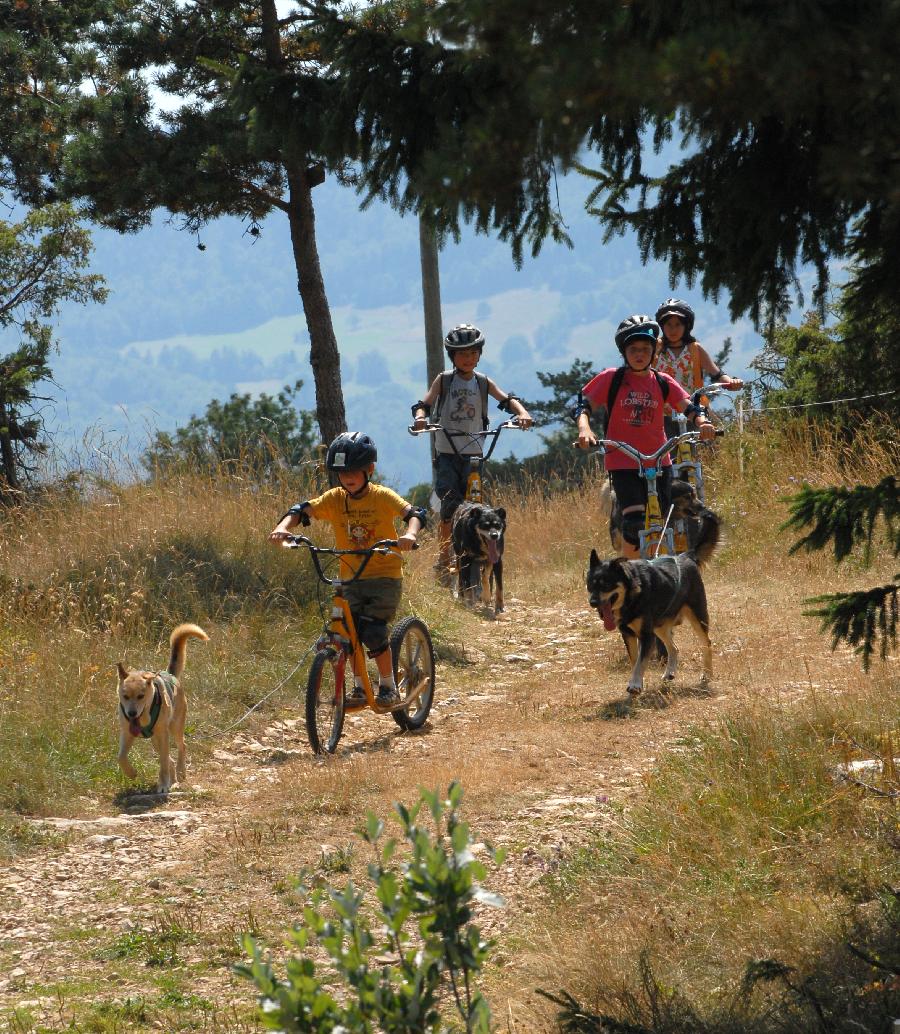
[361, 513]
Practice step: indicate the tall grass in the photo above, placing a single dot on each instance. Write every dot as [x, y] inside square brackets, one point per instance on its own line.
[99, 569]
[746, 843]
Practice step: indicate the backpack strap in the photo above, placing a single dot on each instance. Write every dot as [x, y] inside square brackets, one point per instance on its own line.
[614, 386]
[482, 382]
[446, 377]
[616, 383]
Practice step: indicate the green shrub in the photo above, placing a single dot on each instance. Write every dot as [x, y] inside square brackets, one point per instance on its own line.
[394, 968]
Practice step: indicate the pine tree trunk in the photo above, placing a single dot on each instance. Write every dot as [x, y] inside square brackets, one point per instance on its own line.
[431, 301]
[323, 352]
[9, 482]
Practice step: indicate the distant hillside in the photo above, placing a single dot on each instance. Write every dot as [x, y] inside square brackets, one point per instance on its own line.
[185, 325]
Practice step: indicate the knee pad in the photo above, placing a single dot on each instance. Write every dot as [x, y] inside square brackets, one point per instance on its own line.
[373, 634]
[632, 525]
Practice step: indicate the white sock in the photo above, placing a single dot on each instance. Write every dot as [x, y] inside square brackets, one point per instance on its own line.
[357, 681]
[389, 681]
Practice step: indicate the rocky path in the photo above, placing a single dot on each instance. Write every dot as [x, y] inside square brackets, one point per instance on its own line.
[536, 726]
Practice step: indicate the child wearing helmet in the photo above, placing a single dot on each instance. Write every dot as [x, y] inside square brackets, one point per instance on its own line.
[360, 513]
[682, 357]
[457, 400]
[634, 395]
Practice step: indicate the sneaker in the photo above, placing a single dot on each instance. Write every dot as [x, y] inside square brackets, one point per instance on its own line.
[357, 695]
[388, 695]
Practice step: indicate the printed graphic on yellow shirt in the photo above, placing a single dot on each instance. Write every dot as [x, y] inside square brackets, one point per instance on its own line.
[360, 535]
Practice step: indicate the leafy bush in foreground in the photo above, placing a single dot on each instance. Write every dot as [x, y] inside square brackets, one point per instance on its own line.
[396, 968]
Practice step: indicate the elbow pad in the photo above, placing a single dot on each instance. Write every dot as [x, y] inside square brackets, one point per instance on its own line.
[298, 510]
[420, 405]
[506, 404]
[692, 411]
[578, 405]
[417, 511]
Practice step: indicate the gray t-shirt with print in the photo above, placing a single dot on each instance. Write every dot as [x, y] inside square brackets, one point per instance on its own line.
[462, 410]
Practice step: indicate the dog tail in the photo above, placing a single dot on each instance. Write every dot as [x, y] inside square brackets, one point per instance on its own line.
[708, 536]
[178, 641]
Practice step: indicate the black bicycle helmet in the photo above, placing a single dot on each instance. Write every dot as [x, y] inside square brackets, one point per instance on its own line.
[635, 326]
[351, 450]
[464, 336]
[676, 307]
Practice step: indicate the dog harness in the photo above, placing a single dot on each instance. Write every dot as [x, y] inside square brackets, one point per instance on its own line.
[163, 682]
[674, 559]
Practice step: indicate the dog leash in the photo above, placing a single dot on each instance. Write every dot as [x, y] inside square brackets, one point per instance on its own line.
[662, 534]
[259, 703]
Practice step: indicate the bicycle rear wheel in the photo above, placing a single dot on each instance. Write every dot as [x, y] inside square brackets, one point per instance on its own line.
[325, 701]
[413, 659]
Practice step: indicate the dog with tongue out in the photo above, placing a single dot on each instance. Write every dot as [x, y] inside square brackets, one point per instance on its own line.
[646, 599]
[478, 534]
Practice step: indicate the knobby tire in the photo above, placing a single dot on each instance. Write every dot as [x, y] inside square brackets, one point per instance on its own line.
[412, 655]
[325, 702]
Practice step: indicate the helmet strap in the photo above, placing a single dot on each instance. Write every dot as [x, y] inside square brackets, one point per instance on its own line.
[360, 492]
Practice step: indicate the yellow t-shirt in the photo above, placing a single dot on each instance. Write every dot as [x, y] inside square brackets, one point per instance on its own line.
[358, 523]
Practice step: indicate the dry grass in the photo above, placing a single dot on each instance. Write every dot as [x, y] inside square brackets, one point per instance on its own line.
[742, 845]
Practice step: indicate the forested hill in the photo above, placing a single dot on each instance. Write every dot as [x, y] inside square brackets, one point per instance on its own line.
[192, 318]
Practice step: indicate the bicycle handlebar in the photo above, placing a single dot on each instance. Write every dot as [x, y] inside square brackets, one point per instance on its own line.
[651, 457]
[708, 391]
[383, 547]
[473, 436]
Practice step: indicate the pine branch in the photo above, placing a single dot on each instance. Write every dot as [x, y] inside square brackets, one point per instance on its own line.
[859, 618]
[846, 516]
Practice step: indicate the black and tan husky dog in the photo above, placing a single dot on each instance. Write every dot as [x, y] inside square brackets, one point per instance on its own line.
[644, 599]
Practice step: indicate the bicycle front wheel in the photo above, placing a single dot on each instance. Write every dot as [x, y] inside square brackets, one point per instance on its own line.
[413, 660]
[325, 701]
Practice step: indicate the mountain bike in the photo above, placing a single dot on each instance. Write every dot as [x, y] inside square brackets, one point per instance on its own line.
[686, 465]
[657, 537]
[472, 586]
[474, 493]
[412, 656]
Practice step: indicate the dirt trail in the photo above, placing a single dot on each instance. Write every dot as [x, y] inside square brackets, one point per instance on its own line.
[536, 727]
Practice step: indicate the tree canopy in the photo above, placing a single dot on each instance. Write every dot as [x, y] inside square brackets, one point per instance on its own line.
[140, 108]
[43, 259]
[777, 124]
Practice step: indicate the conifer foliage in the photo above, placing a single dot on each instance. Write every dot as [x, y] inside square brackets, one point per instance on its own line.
[787, 116]
[43, 260]
[253, 437]
[201, 109]
[848, 518]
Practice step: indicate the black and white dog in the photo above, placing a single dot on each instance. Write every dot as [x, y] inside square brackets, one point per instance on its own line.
[477, 536]
[648, 598]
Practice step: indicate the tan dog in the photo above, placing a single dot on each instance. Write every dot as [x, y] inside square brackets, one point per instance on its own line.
[152, 705]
